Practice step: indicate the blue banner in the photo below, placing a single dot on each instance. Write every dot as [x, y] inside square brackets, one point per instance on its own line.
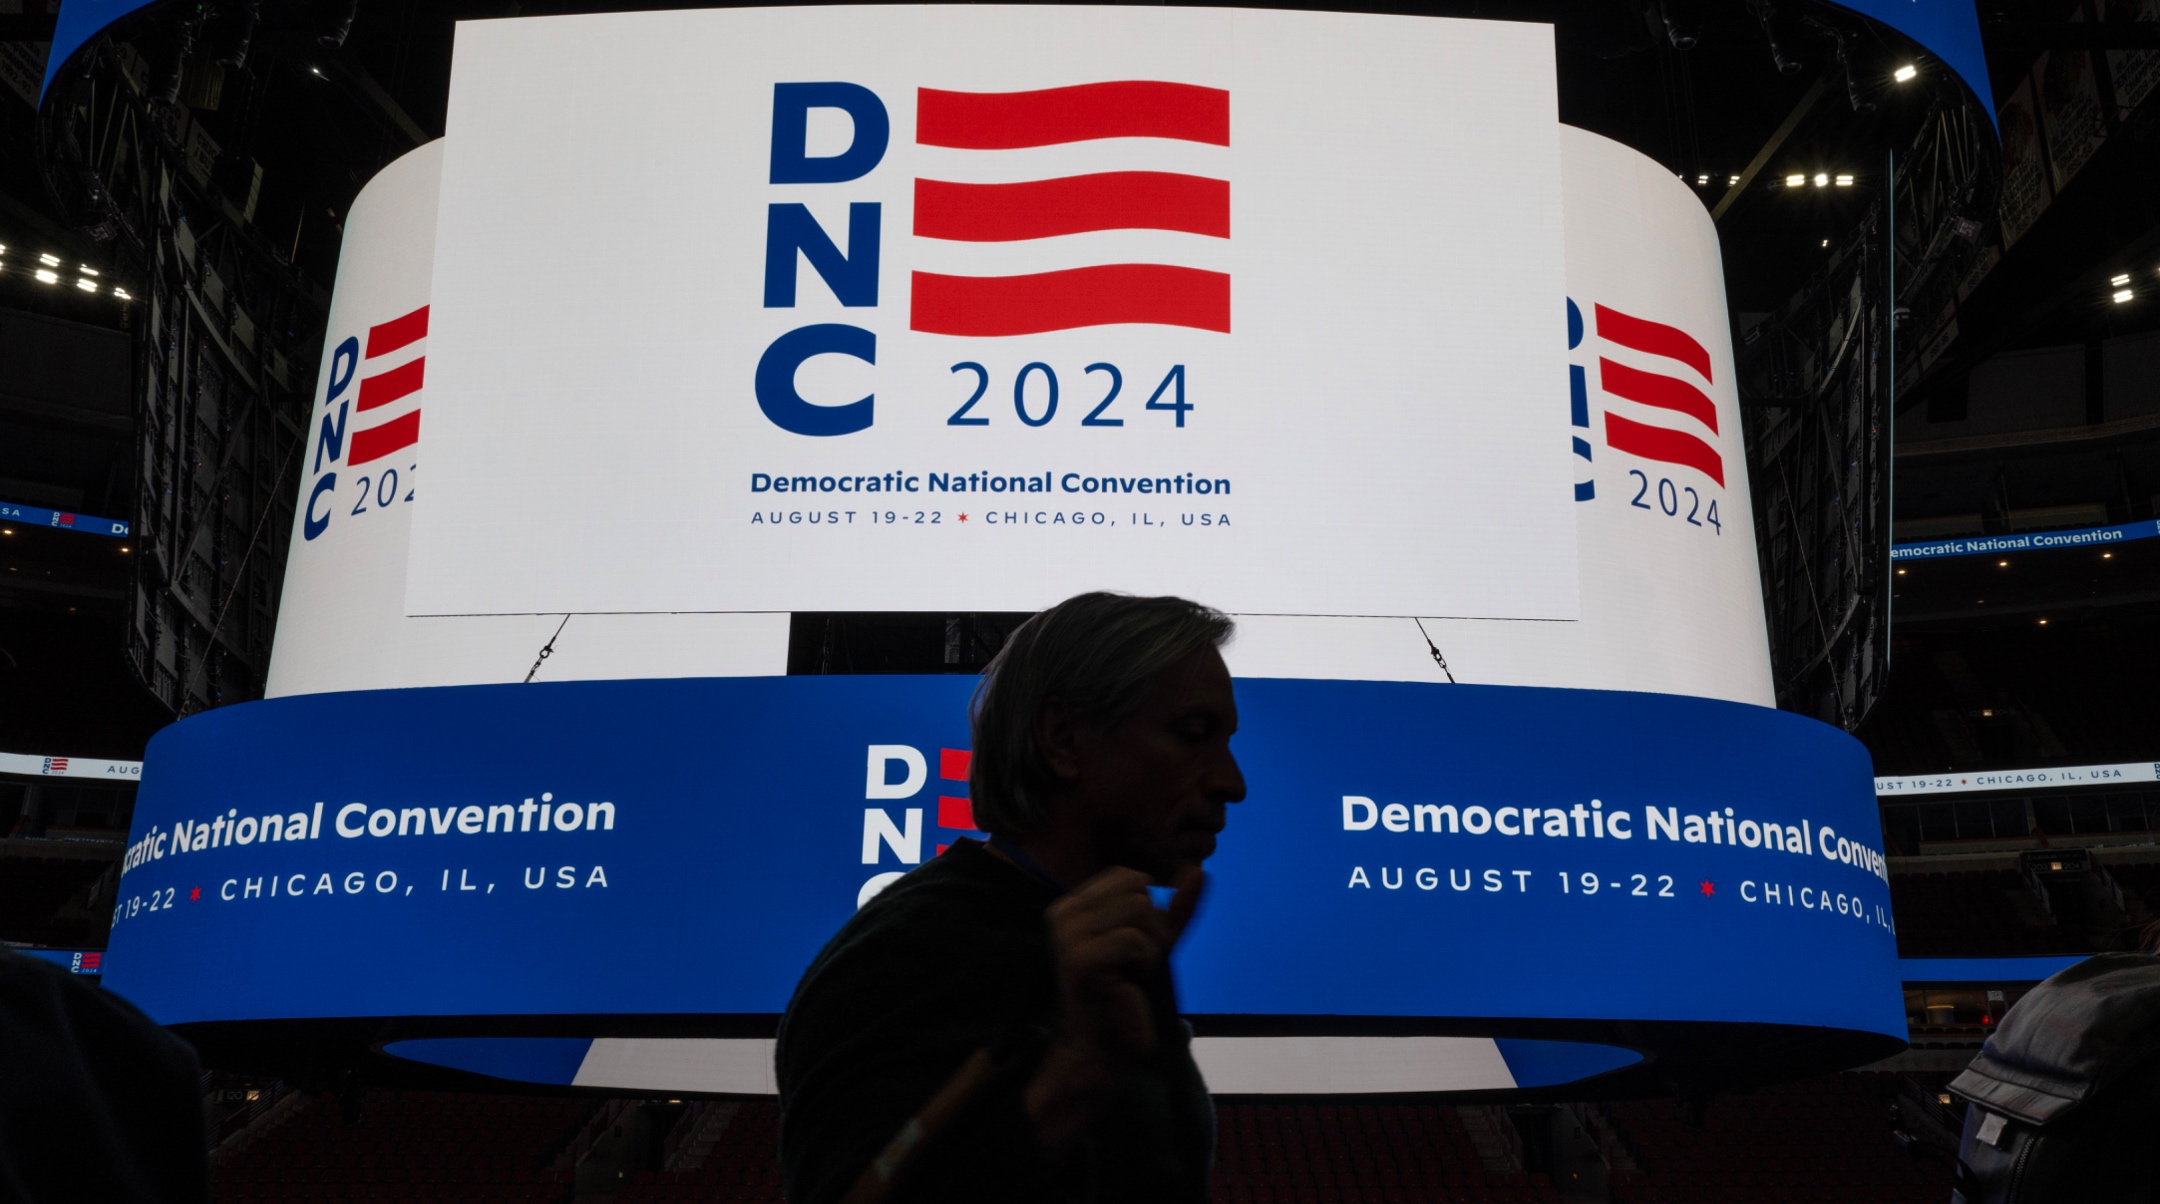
[686, 846]
[75, 961]
[62, 520]
[78, 22]
[1948, 29]
[2030, 541]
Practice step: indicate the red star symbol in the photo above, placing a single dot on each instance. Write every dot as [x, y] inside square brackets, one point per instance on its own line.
[194, 894]
[963, 518]
[1708, 889]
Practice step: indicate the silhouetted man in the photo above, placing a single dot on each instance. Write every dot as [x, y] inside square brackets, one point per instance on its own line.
[1102, 765]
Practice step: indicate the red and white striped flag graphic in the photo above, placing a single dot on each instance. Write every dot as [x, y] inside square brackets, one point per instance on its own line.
[1673, 394]
[1092, 295]
[390, 388]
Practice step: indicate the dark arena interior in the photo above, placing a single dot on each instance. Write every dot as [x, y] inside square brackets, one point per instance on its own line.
[1948, 383]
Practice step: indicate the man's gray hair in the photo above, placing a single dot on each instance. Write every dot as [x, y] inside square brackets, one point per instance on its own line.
[1099, 654]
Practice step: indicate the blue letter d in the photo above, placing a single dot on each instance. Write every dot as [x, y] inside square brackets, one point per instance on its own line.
[791, 160]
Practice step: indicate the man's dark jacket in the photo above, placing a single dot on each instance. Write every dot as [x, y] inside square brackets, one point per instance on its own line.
[96, 1102]
[954, 957]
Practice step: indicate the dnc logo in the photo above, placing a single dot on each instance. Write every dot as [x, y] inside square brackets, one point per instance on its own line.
[1678, 419]
[1017, 212]
[384, 416]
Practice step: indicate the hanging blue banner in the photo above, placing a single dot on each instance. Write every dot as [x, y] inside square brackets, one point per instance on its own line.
[2030, 541]
[62, 520]
[686, 846]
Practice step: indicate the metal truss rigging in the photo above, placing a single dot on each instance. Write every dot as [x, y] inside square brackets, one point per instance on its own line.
[226, 337]
[1818, 385]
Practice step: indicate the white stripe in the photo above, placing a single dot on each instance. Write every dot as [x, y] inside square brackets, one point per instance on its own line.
[1350, 1065]
[742, 1066]
[77, 767]
[2018, 779]
[1231, 1065]
[1068, 251]
[1070, 159]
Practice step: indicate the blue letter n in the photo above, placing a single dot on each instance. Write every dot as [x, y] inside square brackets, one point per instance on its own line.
[853, 277]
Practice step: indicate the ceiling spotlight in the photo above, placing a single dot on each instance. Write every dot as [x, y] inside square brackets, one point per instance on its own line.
[2119, 280]
[2121, 295]
[1905, 74]
[2043, 622]
[1702, 179]
[48, 261]
[1844, 181]
[86, 269]
[121, 293]
[1728, 183]
[2107, 555]
[1795, 181]
[45, 277]
[1901, 572]
[2002, 564]
[1821, 178]
[88, 286]
[1826, 242]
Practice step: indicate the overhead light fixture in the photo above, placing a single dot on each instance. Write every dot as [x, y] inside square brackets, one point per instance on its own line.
[2119, 280]
[2121, 295]
[1704, 179]
[88, 286]
[1844, 181]
[2043, 622]
[1795, 181]
[48, 261]
[1901, 572]
[1728, 183]
[1826, 242]
[2107, 555]
[121, 293]
[45, 277]
[1821, 178]
[86, 269]
[1905, 74]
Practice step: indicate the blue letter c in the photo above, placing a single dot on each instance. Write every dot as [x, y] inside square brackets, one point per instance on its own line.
[315, 526]
[776, 393]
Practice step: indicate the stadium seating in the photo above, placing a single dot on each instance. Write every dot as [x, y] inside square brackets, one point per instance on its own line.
[1820, 1139]
[411, 1146]
[32, 889]
[1823, 1139]
[1972, 913]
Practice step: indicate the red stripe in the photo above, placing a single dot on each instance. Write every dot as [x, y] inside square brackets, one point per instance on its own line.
[397, 332]
[1649, 388]
[385, 387]
[1150, 293]
[955, 813]
[1663, 445]
[1111, 200]
[378, 441]
[952, 764]
[1127, 109]
[1654, 337]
